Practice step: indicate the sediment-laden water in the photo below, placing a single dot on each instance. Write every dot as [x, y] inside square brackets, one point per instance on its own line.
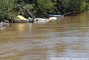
[67, 37]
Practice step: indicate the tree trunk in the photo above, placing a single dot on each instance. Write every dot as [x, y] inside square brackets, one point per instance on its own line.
[27, 10]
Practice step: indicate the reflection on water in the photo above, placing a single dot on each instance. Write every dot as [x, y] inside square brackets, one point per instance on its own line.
[2, 28]
[66, 37]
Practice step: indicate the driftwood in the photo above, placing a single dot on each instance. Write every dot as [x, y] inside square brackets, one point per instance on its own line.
[69, 13]
[20, 9]
[27, 10]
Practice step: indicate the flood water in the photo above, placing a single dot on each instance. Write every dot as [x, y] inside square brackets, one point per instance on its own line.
[66, 37]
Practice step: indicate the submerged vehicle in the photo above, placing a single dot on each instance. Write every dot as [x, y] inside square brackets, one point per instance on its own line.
[20, 19]
[53, 15]
[3, 23]
[43, 20]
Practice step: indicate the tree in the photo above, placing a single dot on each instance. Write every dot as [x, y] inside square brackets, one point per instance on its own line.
[72, 5]
[7, 9]
[46, 6]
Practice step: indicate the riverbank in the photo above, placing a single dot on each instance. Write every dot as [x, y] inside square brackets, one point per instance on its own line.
[39, 8]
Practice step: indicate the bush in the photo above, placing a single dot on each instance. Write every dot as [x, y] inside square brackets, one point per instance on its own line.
[7, 9]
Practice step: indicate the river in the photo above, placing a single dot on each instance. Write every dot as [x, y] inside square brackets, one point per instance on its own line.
[67, 37]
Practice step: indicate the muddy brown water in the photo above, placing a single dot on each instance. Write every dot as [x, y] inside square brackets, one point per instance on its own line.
[66, 37]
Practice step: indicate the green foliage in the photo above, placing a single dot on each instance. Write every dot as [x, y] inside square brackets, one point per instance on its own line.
[83, 6]
[45, 6]
[7, 9]
[72, 5]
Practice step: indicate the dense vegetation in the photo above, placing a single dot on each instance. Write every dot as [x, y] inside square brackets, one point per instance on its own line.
[40, 8]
